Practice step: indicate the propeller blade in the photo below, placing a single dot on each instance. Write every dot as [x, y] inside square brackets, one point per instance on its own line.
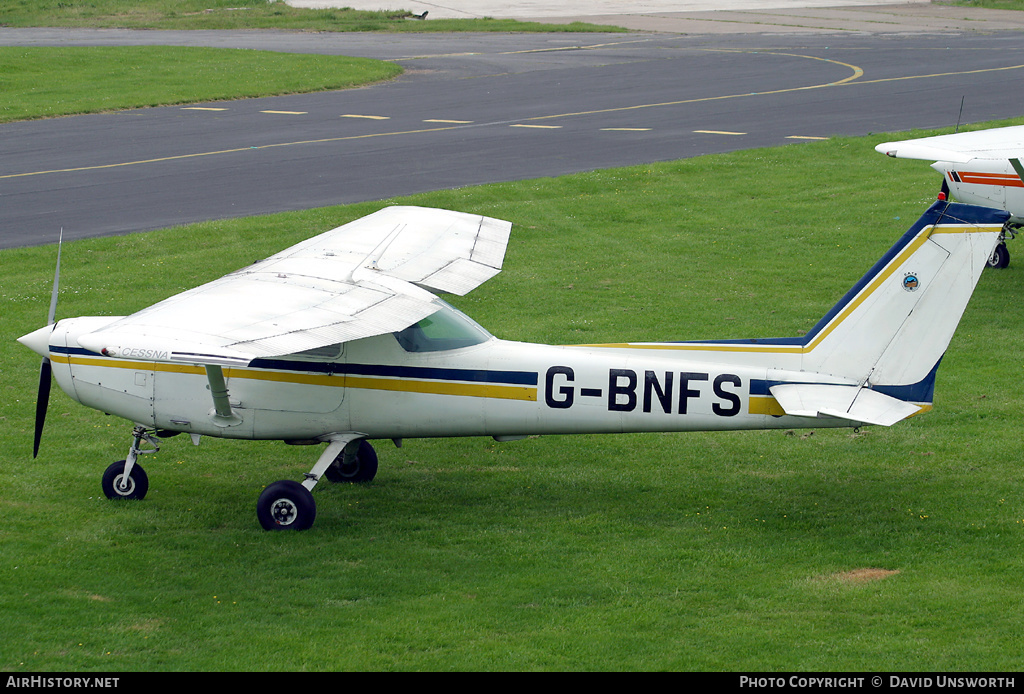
[56, 281]
[45, 369]
[42, 400]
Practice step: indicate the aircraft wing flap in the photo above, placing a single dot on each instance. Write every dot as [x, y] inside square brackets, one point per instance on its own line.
[459, 276]
[844, 402]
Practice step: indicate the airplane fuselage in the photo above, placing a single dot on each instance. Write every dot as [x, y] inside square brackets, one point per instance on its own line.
[493, 388]
[987, 182]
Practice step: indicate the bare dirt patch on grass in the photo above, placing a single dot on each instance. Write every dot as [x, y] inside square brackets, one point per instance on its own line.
[857, 576]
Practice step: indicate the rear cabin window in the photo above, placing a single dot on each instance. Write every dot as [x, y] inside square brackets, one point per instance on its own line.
[446, 329]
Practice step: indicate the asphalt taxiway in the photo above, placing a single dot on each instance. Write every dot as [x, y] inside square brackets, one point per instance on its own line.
[476, 108]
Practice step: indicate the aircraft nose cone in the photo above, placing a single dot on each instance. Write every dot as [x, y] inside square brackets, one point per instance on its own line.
[38, 340]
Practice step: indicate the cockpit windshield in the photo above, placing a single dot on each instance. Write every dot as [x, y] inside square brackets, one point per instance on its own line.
[448, 328]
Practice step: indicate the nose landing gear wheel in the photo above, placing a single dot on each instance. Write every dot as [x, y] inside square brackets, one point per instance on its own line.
[116, 486]
[286, 505]
[1000, 257]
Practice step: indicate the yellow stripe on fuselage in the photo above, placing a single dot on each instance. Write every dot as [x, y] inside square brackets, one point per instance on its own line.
[404, 385]
[119, 364]
[765, 404]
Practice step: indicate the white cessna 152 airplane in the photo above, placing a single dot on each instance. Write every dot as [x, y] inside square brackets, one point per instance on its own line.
[980, 168]
[339, 339]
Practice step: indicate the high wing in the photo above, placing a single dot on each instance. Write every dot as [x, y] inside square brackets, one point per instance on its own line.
[369, 277]
[995, 143]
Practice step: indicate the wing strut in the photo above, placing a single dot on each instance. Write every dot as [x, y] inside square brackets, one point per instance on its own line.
[223, 415]
[1015, 163]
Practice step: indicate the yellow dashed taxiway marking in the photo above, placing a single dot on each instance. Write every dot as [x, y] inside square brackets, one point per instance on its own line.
[853, 80]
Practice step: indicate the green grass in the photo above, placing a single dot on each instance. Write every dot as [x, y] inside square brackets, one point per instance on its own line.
[247, 14]
[988, 4]
[42, 82]
[717, 551]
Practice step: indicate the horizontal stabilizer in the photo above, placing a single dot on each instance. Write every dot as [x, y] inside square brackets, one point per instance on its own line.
[845, 402]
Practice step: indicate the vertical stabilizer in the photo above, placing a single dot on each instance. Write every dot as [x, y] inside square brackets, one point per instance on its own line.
[893, 327]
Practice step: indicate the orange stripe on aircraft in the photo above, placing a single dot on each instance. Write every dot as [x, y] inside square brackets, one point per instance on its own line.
[987, 179]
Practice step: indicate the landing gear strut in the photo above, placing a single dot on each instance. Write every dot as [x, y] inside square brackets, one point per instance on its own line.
[1000, 257]
[125, 479]
[289, 505]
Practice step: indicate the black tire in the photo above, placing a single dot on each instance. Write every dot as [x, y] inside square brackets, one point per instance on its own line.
[1000, 257]
[138, 482]
[363, 470]
[286, 505]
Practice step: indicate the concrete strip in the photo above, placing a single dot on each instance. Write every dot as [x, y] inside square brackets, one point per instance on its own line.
[723, 17]
[518, 9]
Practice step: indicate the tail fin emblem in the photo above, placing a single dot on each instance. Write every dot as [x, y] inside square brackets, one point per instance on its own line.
[910, 282]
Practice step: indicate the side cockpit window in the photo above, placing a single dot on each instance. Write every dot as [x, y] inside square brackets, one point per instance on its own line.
[328, 353]
[446, 329]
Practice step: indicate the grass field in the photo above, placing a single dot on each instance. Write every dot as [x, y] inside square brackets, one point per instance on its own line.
[40, 82]
[870, 550]
[989, 4]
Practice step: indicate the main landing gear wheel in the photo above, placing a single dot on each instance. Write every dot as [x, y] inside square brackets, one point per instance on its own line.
[1000, 257]
[286, 505]
[362, 467]
[116, 486]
